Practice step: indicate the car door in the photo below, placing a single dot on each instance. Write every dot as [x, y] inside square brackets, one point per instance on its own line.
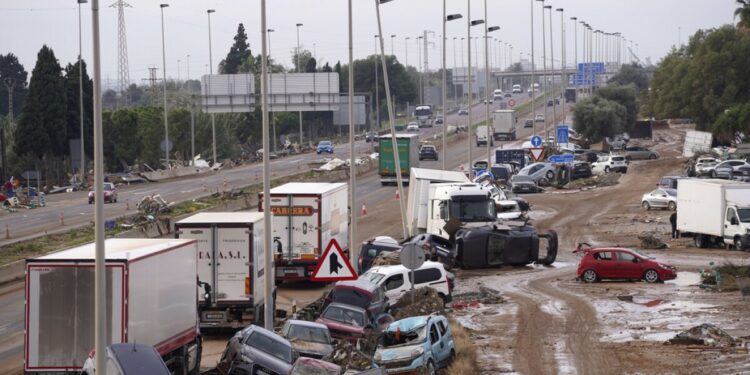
[604, 265]
[446, 336]
[627, 267]
[437, 345]
[394, 287]
[659, 198]
[732, 225]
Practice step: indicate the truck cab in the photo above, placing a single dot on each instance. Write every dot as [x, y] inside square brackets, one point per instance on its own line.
[424, 115]
[737, 226]
[461, 202]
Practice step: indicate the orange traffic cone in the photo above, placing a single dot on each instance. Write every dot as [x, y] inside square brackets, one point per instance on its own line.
[364, 209]
[397, 195]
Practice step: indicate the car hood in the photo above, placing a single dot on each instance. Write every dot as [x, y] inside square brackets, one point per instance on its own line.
[338, 326]
[264, 359]
[396, 353]
[312, 348]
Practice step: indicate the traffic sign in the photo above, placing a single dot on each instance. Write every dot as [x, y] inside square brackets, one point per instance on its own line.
[562, 133]
[333, 265]
[536, 141]
[536, 153]
[512, 103]
[412, 256]
[166, 145]
[564, 158]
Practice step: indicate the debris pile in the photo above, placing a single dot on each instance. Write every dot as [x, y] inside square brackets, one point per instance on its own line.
[387, 258]
[652, 240]
[153, 205]
[485, 296]
[349, 357]
[426, 302]
[609, 179]
[704, 334]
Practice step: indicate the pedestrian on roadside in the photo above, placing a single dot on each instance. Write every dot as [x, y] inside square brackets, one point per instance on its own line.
[673, 222]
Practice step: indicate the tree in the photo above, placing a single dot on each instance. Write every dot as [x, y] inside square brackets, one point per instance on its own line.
[42, 127]
[631, 74]
[73, 117]
[597, 118]
[238, 53]
[744, 13]
[625, 96]
[733, 121]
[12, 69]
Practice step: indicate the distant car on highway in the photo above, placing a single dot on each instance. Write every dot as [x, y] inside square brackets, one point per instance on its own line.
[110, 193]
[412, 127]
[508, 95]
[324, 146]
[660, 198]
[529, 123]
[371, 137]
[640, 153]
[463, 112]
[539, 118]
[428, 152]
[438, 120]
[619, 263]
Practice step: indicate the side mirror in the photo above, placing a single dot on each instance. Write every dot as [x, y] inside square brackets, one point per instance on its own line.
[734, 220]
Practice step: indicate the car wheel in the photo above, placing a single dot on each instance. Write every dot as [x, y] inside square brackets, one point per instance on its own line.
[606, 169]
[672, 206]
[700, 241]
[452, 357]
[652, 156]
[430, 368]
[590, 276]
[91, 201]
[651, 276]
[713, 174]
[738, 245]
[646, 206]
[550, 175]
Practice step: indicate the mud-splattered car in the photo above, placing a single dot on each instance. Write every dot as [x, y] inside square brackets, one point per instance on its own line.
[309, 339]
[416, 343]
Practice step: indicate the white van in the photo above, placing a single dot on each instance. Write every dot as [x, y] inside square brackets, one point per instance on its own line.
[497, 95]
[516, 89]
[396, 280]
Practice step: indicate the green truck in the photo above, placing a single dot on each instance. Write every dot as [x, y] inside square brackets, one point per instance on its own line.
[408, 154]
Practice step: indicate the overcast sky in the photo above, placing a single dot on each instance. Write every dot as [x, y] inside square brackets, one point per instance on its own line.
[655, 25]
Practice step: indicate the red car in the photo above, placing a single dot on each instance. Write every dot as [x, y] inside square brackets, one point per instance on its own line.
[110, 193]
[618, 263]
[346, 322]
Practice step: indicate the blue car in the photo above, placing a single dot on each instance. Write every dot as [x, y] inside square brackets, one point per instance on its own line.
[417, 343]
[325, 146]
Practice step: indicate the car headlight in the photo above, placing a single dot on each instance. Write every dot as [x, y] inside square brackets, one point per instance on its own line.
[666, 267]
[418, 351]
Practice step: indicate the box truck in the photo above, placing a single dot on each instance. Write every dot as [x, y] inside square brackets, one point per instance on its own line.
[417, 203]
[504, 124]
[306, 217]
[408, 154]
[230, 265]
[150, 299]
[714, 212]
[482, 136]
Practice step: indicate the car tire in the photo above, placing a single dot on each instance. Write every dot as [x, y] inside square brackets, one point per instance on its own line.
[550, 175]
[651, 276]
[589, 276]
[672, 206]
[606, 169]
[444, 298]
[700, 241]
[713, 174]
[738, 245]
[624, 171]
[452, 357]
[652, 156]
[430, 368]
[646, 206]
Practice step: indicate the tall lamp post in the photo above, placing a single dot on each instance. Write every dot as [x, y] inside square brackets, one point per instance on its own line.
[564, 77]
[575, 52]
[406, 51]
[392, 36]
[299, 67]
[490, 134]
[82, 170]
[453, 74]
[377, 85]
[446, 18]
[552, 69]
[545, 86]
[471, 93]
[272, 119]
[533, 73]
[352, 165]
[211, 71]
[164, 81]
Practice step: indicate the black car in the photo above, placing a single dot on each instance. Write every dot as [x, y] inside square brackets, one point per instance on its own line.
[428, 152]
[255, 350]
[581, 169]
[439, 248]
[508, 95]
[371, 137]
[372, 248]
[524, 184]
[529, 123]
[550, 103]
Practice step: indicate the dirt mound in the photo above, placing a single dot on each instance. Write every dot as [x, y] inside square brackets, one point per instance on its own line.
[484, 296]
[652, 240]
[704, 334]
[426, 302]
[609, 179]
[387, 258]
[349, 357]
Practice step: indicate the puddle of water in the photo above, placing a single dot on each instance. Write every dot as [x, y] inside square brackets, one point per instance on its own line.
[686, 279]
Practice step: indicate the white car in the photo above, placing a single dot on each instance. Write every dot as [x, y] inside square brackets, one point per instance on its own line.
[660, 198]
[539, 118]
[609, 163]
[412, 127]
[726, 168]
[396, 279]
[705, 165]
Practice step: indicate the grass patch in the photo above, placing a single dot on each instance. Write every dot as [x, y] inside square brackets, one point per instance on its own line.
[466, 354]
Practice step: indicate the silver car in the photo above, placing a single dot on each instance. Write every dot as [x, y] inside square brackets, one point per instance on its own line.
[660, 198]
[309, 339]
[726, 168]
[538, 171]
[640, 153]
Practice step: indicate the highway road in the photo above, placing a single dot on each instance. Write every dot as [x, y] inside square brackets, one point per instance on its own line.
[369, 191]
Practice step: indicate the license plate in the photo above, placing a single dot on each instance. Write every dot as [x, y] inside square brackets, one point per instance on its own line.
[214, 316]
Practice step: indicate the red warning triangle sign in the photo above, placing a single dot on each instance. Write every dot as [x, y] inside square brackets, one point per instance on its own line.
[333, 265]
[536, 153]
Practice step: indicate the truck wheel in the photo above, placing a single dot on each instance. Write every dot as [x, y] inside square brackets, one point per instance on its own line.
[713, 174]
[590, 276]
[738, 245]
[652, 156]
[700, 241]
[672, 206]
[651, 276]
[646, 206]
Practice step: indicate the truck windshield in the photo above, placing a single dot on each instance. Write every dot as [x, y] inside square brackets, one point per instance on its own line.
[473, 210]
[744, 214]
[420, 112]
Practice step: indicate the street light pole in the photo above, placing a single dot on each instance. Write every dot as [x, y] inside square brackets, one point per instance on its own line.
[453, 74]
[406, 51]
[211, 71]
[468, 48]
[270, 89]
[446, 18]
[268, 311]
[463, 67]
[164, 81]
[377, 85]
[420, 71]
[533, 73]
[82, 170]
[490, 134]
[575, 51]
[392, 36]
[564, 79]
[552, 69]
[352, 165]
[545, 86]
[469, 130]
[299, 67]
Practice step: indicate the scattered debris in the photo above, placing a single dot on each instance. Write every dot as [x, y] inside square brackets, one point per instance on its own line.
[609, 179]
[485, 296]
[349, 357]
[332, 165]
[387, 258]
[426, 301]
[152, 205]
[652, 240]
[704, 334]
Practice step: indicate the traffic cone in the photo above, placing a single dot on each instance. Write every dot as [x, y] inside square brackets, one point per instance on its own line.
[397, 195]
[364, 209]
[225, 182]
[62, 219]
[7, 232]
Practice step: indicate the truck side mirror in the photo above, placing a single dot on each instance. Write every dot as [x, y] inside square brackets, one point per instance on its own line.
[443, 211]
[734, 220]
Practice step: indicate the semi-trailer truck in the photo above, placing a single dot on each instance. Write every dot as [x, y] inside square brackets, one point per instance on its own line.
[408, 154]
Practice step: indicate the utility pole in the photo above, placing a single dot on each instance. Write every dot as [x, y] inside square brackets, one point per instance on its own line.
[406, 51]
[377, 84]
[421, 71]
[545, 87]
[164, 77]
[268, 310]
[563, 81]
[123, 73]
[552, 69]
[211, 71]
[453, 74]
[299, 67]
[10, 84]
[82, 168]
[533, 73]
[352, 165]
[468, 49]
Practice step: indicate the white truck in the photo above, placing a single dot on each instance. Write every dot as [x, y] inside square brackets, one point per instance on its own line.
[230, 265]
[714, 212]
[417, 203]
[504, 124]
[306, 217]
[151, 290]
[424, 115]
[482, 136]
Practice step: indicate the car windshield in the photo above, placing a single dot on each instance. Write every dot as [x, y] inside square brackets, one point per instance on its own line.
[108, 187]
[672, 192]
[305, 369]
[268, 345]
[305, 333]
[744, 214]
[345, 316]
[351, 296]
[640, 254]
[400, 338]
[521, 178]
[372, 277]
[473, 211]
[324, 143]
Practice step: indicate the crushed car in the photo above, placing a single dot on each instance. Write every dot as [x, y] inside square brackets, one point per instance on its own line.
[257, 350]
[311, 366]
[309, 339]
[420, 343]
